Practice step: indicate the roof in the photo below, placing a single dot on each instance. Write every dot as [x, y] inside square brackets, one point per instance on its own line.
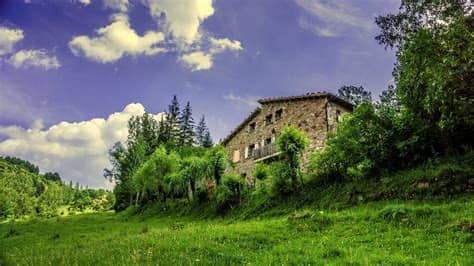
[310, 95]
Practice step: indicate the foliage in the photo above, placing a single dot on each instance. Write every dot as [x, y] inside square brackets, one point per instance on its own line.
[261, 171]
[435, 77]
[186, 137]
[217, 162]
[22, 163]
[27, 194]
[52, 176]
[175, 134]
[361, 147]
[291, 142]
[203, 136]
[149, 180]
[355, 95]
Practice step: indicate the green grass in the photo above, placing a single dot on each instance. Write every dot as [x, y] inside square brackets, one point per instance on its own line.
[392, 220]
[394, 233]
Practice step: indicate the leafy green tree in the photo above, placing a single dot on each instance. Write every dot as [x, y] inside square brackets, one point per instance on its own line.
[414, 15]
[435, 77]
[52, 176]
[292, 142]
[150, 179]
[217, 162]
[22, 163]
[193, 169]
[355, 95]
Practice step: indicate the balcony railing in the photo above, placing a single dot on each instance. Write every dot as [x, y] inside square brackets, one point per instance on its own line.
[265, 151]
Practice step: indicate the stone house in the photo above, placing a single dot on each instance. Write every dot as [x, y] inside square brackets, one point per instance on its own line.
[253, 140]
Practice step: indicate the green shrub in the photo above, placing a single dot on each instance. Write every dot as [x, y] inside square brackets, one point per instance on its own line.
[261, 171]
[292, 142]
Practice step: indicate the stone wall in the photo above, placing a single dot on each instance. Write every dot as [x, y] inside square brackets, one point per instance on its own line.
[308, 115]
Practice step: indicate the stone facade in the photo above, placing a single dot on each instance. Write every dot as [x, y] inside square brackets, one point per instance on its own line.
[253, 140]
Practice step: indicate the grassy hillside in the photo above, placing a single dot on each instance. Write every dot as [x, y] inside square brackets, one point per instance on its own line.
[385, 232]
[420, 216]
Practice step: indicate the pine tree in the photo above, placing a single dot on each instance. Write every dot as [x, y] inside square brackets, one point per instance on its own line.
[187, 126]
[207, 141]
[173, 119]
[201, 129]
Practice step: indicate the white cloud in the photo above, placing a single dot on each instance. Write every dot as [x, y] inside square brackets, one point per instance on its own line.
[120, 5]
[34, 58]
[78, 150]
[180, 21]
[248, 101]
[333, 18]
[197, 60]
[200, 60]
[221, 45]
[183, 18]
[84, 2]
[8, 38]
[116, 40]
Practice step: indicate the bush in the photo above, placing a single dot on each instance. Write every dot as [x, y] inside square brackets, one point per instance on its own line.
[292, 143]
[261, 171]
[229, 193]
[362, 146]
[281, 181]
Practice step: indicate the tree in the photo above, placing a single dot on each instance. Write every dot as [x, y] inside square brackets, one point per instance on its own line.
[150, 179]
[435, 77]
[203, 136]
[52, 176]
[192, 170]
[217, 161]
[292, 142]
[173, 120]
[187, 126]
[355, 95]
[414, 15]
[207, 141]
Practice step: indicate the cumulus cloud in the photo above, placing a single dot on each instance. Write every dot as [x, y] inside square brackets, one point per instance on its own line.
[34, 58]
[116, 40]
[200, 60]
[8, 38]
[333, 18]
[77, 150]
[197, 60]
[179, 22]
[182, 18]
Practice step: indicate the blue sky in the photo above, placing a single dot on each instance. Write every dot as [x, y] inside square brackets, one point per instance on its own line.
[65, 62]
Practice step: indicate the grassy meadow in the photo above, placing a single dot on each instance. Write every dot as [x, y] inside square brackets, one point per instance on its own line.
[389, 232]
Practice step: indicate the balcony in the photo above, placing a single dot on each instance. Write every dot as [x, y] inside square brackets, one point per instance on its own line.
[265, 152]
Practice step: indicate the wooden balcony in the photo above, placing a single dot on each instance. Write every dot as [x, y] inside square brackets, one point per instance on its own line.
[265, 152]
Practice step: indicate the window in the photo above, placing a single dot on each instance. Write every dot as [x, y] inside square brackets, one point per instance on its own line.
[338, 116]
[278, 114]
[251, 150]
[268, 119]
[268, 141]
[252, 127]
[236, 156]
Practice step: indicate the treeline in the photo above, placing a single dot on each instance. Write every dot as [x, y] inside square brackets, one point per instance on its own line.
[427, 114]
[26, 192]
[154, 152]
